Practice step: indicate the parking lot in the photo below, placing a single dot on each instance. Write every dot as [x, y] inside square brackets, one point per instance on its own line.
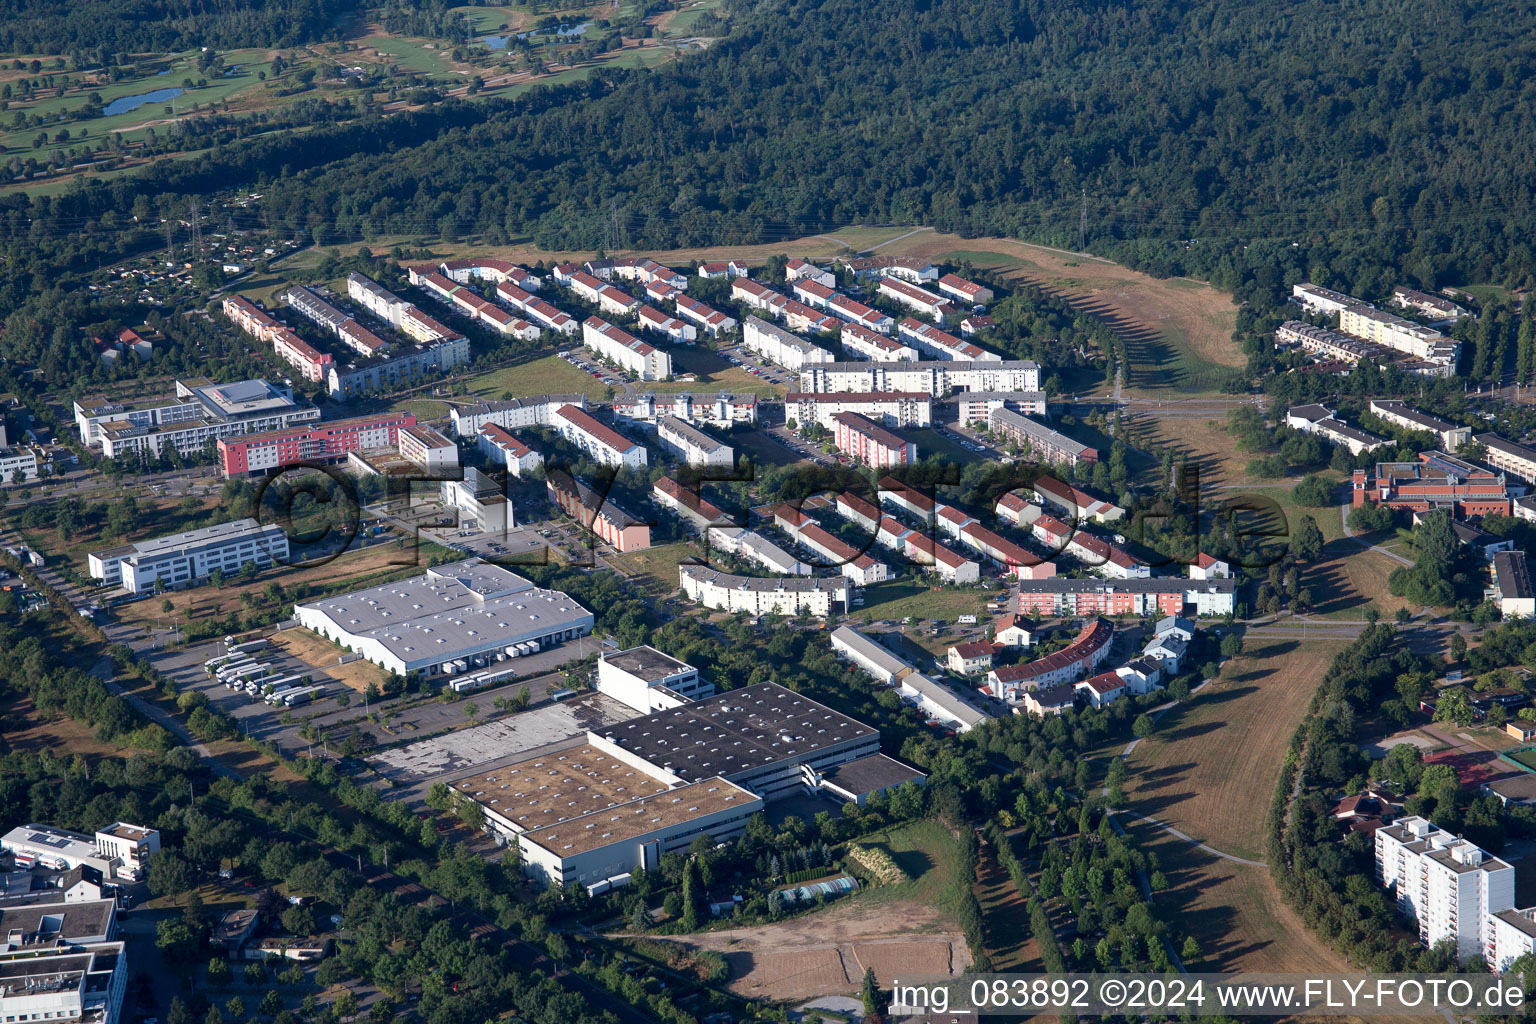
[596, 369]
[502, 740]
[758, 367]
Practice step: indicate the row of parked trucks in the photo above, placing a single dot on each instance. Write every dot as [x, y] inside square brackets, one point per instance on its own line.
[490, 676]
[240, 668]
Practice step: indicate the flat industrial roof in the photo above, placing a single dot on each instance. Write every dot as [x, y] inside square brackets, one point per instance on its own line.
[868, 774]
[646, 663]
[866, 648]
[642, 816]
[68, 921]
[556, 787]
[736, 731]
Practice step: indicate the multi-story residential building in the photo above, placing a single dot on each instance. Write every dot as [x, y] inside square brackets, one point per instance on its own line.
[931, 555]
[860, 567]
[908, 268]
[610, 523]
[1320, 341]
[400, 365]
[976, 407]
[892, 408]
[1435, 481]
[469, 303]
[194, 418]
[1078, 659]
[1403, 415]
[960, 377]
[1512, 585]
[870, 443]
[182, 558]
[1437, 308]
[820, 296]
[799, 270]
[1449, 886]
[941, 344]
[1508, 457]
[536, 309]
[1323, 301]
[724, 270]
[820, 596]
[872, 345]
[967, 292]
[687, 503]
[1166, 595]
[644, 360]
[376, 299]
[428, 449]
[692, 445]
[1038, 440]
[486, 269]
[725, 409]
[503, 449]
[922, 300]
[671, 328]
[329, 441]
[780, 346]
[606, 445]
[709, 320]
[1396, 333]
[1076, 503]
[512, 414]
[1094, 552]
[1322, 421]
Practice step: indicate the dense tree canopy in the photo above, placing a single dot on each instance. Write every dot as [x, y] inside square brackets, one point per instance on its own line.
[120, 26]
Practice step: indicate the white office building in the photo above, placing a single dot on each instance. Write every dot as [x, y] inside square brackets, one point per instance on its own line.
[182, 558]
[190, 421]
[118, 851]
[63, 983]
[648, 680]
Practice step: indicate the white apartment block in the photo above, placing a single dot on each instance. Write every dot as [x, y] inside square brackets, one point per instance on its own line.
[799, 270]
[692, 445]
[428, 449]
[1508, 457]
[1323, 301]
[920, 299]
[1403, 415]
[1448, 885]
[710, 320]
[934, 378]
[606, 445]
[890, 408]
[622, 348]
[503, 449]
[872, 345]
[724, 409]
[182, 558]
[1396, 333]
[376, 299]
[513, 414]
[941, 344]
[1321, 421]
[780, 346]
[820, 596]
[671, 328]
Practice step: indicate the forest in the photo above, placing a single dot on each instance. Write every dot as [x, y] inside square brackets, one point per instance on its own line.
[1243, 144]
[120, 26]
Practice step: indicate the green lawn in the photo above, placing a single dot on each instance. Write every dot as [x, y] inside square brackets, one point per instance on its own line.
[927, 852]
[411, 54]
[1526, 757]
[931, 442]
[897, 599]
[658, 565]
[682, 25]
[548, 376]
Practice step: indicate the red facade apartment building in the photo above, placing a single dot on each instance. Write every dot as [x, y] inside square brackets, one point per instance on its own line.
[330, 441]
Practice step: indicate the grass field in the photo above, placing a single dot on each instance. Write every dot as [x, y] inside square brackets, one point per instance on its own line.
[658, 565]
[548, 376]
[1210, 767]
[1349, 580]
[319, 653]
[1179, 332]
[1234, 911]
[896, 599]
